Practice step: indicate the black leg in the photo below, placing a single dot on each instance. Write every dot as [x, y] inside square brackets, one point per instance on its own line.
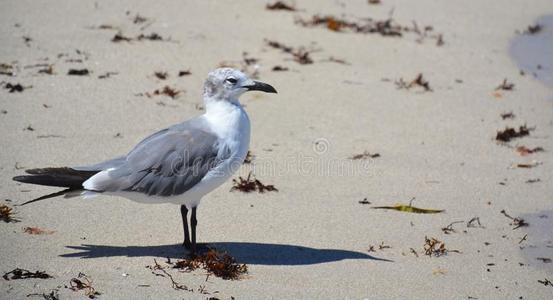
[184, 214]
[193, 222]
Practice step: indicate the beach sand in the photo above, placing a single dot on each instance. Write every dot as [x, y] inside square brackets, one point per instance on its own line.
[311, 239]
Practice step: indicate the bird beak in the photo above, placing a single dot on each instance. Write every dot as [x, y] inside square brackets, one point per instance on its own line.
[260, 86]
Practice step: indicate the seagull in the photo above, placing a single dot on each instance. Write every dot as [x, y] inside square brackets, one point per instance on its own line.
[179, 164]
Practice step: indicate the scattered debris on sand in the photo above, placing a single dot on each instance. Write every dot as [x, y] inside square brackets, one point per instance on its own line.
[507, 115]
[386, 28]
[509, 133]
[410, 209]
[159, 270]
[166, 90]
[279, 69]
[475, 223]
[533, 29]
[37, 231]
[82, 282]
[418, 81]
[299, 55]
[78, 72]
[251, 184]
[107, 75]
[120, 37]
[7, 69]
[53, 295]
[279, 5]
[505, 86]
[525, 151]
[48, 70]
[7, 214]
[18, 273]
[449, 228]
[546, 282]
[15, 87]
[532, 164]
[161, 75]
[435, 247]
[364, 155]
[184, 73]
[215, 262]
[364, 201]
[516, 222]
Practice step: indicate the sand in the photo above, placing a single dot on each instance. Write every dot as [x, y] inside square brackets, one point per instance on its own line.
[311, 239]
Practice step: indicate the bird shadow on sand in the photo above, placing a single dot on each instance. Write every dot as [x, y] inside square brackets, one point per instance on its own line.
[248, 253]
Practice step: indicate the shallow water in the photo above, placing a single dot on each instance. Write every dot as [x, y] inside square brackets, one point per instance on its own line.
[533, 53]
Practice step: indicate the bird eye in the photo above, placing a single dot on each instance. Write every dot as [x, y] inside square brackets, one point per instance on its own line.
[232, 80]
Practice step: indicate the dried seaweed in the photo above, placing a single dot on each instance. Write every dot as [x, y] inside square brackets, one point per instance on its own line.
[49, 70]
[365, 201]
[166, 90]
[175, 285]
[18, 273]
[279, 5]
[449, 228]
[507, 115]
[524, 151]
[545, 260]
[364, 155]
[533, 29]
[78, 72]
[509, 133]
[53, 295]
[107, 75]
[337, 60]
[16, 87]
[184, 73]
[151, 37]
[299, 55]
[505, 86]
[161, 75]
[516, 222]
[138, 19]
[119, 37]
[250, 184]
[279, 69]
[546, 282]
[217, 263]
[7, 214]
[474, 223]
[37, 231]
[410, 209]
[435, 247]
[7, 69]
[385, 27]
[418, 81]
[529, 165]
[82, 282]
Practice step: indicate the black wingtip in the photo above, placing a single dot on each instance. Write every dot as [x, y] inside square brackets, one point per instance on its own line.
[63, 192]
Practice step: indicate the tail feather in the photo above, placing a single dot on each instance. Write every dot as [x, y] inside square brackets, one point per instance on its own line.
[60, 177]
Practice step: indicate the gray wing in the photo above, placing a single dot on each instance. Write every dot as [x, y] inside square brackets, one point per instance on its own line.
[169, 162]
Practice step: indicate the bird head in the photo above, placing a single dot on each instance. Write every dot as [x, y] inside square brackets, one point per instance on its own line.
[226, 84]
